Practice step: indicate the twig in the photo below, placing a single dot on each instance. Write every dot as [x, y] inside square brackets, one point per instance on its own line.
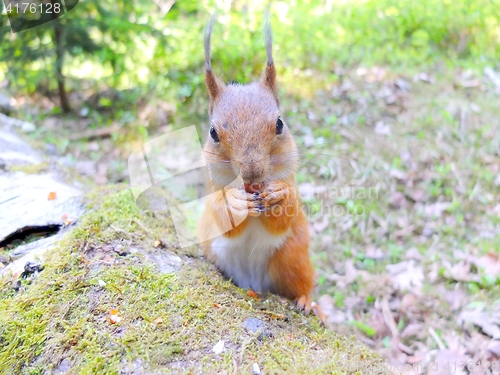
[95, 133]
[235, 367]
[436, 338]
[388, 318]
[70, 306]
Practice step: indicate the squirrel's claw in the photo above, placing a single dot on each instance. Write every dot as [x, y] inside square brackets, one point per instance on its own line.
[242, 204]
[304, 303]
[319, 313]
[274, 194]
[307, 304]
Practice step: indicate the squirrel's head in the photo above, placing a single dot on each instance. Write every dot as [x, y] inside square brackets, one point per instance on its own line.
[247, 135]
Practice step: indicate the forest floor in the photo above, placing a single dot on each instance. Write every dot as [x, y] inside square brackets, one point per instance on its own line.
[400, 179]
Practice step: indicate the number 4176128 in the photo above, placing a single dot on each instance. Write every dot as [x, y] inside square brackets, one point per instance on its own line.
[27, 7]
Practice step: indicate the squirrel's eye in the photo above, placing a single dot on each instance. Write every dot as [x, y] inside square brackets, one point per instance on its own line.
[279, 126]
[214, 134]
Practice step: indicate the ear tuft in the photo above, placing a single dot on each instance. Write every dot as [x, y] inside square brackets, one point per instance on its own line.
[269, 75]
[214, 84]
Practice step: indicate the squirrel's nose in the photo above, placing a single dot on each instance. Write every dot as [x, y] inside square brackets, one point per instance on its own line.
[252, 172]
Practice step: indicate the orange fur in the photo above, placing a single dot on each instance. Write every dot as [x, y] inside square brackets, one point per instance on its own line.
[290, 268]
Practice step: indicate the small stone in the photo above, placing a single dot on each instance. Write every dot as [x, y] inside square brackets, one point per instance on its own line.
[219, 347]
[427, 231]
[30, 268]
[64, 367]
[253, 325]
[256, 369]
[101, 283]
[121, 250]
[402, 84]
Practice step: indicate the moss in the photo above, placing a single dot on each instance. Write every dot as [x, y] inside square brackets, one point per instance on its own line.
[169, 322]
[30, 168]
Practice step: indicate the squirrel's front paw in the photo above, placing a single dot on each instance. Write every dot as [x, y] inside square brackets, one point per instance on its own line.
[274, 193]
[242, 204]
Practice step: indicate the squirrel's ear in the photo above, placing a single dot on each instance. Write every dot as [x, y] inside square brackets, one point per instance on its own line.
[269, 79]
[214, 84]
[269, 76]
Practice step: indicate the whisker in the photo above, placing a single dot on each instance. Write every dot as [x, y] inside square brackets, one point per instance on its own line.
[284, 157]
[213, 153]
[208, 152]
[214, 161]
[321, 167]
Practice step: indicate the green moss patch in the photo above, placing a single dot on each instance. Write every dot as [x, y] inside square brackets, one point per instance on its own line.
[30, 168]
[162, 322]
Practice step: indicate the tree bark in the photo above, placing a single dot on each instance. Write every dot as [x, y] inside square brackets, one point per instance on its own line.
[59, 44]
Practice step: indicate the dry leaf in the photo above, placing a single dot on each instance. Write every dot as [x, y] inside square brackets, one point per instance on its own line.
[382, 128]
[253, 295]
[52, 196]
[372, 252]
[108, 259]
[490, 263]
[416, 194]
[113, 317]
[437, 209]
[456, 298]
[320, 225]
[397, 200]
[488, 321]
[398, 175]
[406, 275]
[424, 77]
[333, 315]
[494, 347]
[460, 271]
[450, 357]
[389, 320]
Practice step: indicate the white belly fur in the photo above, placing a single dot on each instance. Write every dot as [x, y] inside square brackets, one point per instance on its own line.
[245, 258]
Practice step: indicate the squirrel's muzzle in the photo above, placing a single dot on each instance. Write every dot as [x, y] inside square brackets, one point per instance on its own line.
[252, 172]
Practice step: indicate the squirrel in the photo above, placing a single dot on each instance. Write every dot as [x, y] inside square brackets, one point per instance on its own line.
[262, 236]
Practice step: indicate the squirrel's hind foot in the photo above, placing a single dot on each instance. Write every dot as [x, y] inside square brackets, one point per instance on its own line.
[306, 304]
